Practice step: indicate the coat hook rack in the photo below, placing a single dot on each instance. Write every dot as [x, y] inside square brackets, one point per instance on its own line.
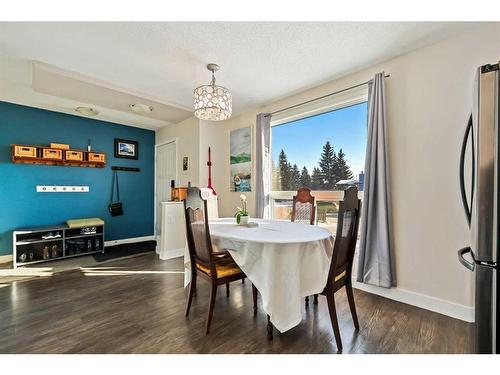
[62, 189]
[126, 169]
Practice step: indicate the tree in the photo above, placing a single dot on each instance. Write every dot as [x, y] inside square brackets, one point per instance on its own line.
[332, 167]
[327, 164]
[343, 170]
[316, 179]
[285, 171]
[276, 182]
[305, 178]
[295, 177]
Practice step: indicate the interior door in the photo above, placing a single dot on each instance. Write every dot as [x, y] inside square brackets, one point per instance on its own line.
[166, 171]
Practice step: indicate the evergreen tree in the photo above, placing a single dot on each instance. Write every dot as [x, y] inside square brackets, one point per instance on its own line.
[332, 168]
[276, 182]
[295, 177]
[305, 178]
[285, 172]
[336, 169]
[344, 172]
[316, 179]
[327, 164]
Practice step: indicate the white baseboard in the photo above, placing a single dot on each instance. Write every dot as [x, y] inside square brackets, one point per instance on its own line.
[5, 258]
[176, 253]
[129, 240]
[441, 306]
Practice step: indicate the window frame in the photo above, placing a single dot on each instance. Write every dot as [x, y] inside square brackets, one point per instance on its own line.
[333, 103]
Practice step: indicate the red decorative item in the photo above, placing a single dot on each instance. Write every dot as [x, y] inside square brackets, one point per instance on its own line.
[209, 163]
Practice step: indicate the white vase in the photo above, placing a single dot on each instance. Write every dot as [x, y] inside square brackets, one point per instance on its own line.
[244, 219]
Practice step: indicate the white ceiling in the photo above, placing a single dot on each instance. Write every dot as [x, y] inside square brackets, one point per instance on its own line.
[260, 61]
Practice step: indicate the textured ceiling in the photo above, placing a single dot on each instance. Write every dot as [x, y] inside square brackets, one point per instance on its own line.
[259, 61]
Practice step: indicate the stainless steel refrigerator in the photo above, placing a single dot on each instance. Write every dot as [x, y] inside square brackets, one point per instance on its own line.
[480, 197]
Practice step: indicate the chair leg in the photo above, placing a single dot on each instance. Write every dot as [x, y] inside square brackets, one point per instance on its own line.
[307, 301]
[315, 299]
[333, 317]
[350, 298]
[227, 289]
[269, 328]
[192, 292]
[254, 295]
[211, 307]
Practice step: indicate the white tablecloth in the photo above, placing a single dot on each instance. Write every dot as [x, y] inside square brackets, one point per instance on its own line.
[285, 261]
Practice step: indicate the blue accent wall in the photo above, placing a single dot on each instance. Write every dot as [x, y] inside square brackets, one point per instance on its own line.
[21, 205]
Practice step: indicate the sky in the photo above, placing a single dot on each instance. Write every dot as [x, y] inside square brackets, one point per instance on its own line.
[303, 139]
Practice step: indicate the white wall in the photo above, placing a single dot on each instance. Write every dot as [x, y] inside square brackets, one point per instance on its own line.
[219, 141]
[209, 131]
[429, 97]
[187, 134]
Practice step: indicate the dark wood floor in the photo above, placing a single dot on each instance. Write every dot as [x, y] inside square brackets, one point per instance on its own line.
[125, 310]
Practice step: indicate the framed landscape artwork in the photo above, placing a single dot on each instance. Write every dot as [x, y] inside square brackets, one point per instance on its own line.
[126, 149]
[241, 159]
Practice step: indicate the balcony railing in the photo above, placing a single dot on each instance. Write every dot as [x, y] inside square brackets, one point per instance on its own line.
[327, 205]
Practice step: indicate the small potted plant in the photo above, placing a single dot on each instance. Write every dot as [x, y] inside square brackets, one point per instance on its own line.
[242, 212]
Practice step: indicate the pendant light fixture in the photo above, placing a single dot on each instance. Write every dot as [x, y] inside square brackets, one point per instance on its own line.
[212, 102]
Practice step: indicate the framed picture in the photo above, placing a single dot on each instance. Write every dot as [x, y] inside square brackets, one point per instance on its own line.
[126, 149]
[185, 164]
[241, 159]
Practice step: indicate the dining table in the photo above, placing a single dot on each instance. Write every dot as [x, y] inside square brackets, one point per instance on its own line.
[286, 261]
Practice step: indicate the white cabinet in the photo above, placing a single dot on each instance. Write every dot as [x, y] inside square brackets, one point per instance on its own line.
[172, 239]
[171, 242]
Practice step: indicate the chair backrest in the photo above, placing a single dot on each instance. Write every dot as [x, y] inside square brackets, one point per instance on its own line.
[346, 236]
[303, 207]
[197, 230]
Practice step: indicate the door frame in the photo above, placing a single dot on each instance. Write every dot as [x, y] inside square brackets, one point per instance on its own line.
[172, 140]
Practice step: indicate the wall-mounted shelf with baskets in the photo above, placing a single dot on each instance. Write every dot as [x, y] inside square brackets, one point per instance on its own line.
[52, 155]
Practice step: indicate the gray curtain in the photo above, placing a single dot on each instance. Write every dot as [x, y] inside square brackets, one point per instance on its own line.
[262, 165]
[376, 260]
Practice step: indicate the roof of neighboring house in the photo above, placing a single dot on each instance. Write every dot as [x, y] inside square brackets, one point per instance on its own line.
[347, 182]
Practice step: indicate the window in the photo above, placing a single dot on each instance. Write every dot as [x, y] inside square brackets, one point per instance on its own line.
[324, 152]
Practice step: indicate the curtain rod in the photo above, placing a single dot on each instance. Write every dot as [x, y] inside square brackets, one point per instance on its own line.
[321, 97]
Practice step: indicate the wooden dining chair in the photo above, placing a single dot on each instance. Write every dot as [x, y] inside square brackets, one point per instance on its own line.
[303, 207]
[217, 268]
[342, 258]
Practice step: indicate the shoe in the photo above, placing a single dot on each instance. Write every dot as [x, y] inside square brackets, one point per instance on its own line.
[87, 231]
[55, 252]
[57, 235]
[45, 253]
[47, 236]
[70, 248]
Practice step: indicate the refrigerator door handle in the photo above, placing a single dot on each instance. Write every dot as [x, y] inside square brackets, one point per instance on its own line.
[465, 262]
[468, 210]
[487, 264]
